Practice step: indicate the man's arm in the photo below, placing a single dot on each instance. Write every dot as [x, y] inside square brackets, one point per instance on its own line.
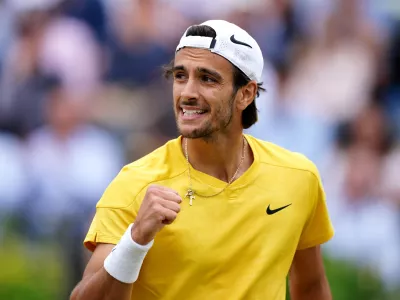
[307, 279]
[96, 283]
[159, 207]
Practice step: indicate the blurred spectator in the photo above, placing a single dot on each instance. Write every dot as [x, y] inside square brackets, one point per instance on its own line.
[79, 67]
[91, 12]
[23, 83]
[365, 216]
[70, 162]
[45, 46]
[277, 28]
[142, 33]
[333, 74]
[281, 122]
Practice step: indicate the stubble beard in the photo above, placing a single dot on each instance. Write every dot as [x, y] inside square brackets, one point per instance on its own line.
[207, 131]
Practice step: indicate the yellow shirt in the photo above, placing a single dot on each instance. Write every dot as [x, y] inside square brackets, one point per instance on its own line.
[225, 247]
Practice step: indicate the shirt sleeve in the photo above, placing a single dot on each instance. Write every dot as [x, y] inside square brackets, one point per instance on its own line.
[115, 211]
[318, 228]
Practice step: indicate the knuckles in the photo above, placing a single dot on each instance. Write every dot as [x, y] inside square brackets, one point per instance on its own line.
[153, 190]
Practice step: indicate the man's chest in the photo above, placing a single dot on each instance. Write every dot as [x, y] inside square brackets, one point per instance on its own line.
[256, 220]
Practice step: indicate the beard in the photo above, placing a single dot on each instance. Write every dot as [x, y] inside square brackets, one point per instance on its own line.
[217, 122]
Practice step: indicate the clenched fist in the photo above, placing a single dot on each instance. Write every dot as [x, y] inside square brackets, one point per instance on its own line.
[160, 207]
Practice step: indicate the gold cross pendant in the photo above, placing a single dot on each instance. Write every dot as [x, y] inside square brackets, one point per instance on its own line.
[191, 196]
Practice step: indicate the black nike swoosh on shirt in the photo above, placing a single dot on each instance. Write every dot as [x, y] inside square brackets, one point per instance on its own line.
[273, 211]
[235, 41]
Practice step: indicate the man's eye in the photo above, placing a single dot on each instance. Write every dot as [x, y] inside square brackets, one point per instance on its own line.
[179, 75]
[208, 78]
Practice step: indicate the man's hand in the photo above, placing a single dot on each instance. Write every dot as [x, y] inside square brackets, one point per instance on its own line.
[160, 207]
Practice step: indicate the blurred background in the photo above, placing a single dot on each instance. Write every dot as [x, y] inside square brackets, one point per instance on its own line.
[81, 94]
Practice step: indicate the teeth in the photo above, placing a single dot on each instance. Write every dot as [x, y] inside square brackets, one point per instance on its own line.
[192, 112]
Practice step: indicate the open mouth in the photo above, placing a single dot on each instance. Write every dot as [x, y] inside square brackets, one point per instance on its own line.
[190, 112]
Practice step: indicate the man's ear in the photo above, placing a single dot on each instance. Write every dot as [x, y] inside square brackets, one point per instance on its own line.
[246, 95]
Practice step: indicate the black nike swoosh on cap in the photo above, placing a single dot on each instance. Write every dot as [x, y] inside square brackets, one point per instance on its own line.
[235, 41]
[273, 211]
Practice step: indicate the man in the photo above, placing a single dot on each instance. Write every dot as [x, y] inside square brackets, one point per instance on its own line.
[213, 214]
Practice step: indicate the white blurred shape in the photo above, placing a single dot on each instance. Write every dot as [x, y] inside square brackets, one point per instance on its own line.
[12, 173]
[21, 6]
[70, 52]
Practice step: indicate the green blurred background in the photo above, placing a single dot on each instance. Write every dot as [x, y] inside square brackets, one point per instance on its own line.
[38, 272]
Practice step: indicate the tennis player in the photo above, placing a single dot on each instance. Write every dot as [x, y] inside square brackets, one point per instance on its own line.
[214, 213]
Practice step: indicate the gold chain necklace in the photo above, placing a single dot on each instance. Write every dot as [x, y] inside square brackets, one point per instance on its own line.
[190, 193]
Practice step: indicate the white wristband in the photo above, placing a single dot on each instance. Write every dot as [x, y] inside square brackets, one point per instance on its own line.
[126, 259]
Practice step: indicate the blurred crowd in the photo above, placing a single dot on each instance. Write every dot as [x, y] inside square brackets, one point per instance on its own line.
[81, 94]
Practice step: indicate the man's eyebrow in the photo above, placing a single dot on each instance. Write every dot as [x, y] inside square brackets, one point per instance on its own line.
[210, 72]
[178, 68]
[200, 70]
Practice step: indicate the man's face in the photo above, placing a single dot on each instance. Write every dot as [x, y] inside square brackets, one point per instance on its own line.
[203, 93]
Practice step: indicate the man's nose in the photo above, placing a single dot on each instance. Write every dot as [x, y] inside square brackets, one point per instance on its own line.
[190, 90]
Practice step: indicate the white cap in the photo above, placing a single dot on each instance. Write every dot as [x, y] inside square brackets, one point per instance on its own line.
[232, 43]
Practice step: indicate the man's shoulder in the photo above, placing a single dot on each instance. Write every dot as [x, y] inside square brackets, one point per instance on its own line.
[161, 164]
[275, 155]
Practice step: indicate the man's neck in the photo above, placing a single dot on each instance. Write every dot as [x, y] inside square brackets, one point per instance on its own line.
[219, 157]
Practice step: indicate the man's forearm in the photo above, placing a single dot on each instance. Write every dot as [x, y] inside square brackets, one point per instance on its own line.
[101, 286]
[318, 291]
